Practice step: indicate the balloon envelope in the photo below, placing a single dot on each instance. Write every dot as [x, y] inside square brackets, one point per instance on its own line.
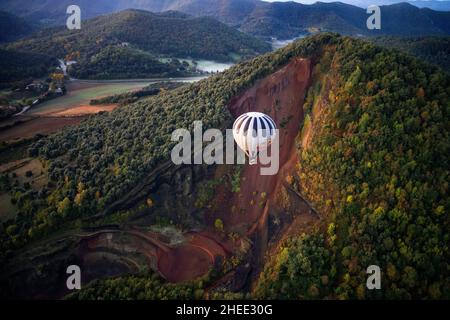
[253, 132]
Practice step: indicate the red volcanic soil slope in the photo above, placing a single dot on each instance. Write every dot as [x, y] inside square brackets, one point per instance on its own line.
[176, 263]
[191, 260]
[280, 95]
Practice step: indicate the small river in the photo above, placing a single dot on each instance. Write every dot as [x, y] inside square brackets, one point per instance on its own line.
[278, 44]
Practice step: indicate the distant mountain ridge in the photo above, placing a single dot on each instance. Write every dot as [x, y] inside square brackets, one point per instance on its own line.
[268, 19]
[440, 5]
[400, 19]
[432, 4]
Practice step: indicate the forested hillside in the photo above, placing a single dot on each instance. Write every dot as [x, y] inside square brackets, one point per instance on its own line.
[290, 19]
[121, 63]
[435, 50]
[169, 34]
[131, 43]
[17, 65]
[373, 160]
[53, 11]
[12, 27]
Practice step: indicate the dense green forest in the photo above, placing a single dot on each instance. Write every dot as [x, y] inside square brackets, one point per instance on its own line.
[377, 170]
[130, 97]
[141, 37]
[13, 27]
[17, 66]
[378, 167]
[435, 50]
[146, 286]
[122, 63]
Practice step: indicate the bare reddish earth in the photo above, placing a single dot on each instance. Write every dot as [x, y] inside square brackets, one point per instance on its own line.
[187, 261]
[190, 260]
[25, 126]
[82, 110]
[280, 95]
[51, 122]
[38, 125]
[184, 263]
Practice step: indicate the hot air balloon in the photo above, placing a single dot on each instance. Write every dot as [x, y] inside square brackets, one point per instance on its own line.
[253, 132]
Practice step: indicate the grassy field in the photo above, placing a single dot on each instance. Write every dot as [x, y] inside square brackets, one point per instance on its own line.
[81, 95]
[69, 109]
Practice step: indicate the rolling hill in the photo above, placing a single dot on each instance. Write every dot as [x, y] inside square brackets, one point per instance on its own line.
[54, 11]
[106, 45]
[12, 27]
[16, 66]
[435, 50]
[289, 19]
[268, 19]
[363, 181]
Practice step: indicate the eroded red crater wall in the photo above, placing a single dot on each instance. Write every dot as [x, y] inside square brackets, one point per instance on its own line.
[281, 96]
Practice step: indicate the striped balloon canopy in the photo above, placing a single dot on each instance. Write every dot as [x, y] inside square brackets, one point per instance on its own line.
[253, 132]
